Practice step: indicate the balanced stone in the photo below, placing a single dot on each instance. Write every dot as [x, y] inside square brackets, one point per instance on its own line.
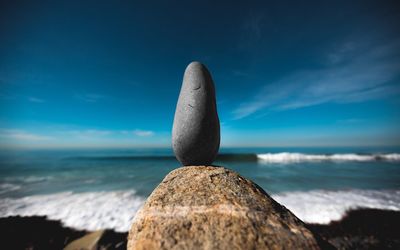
[196, 130]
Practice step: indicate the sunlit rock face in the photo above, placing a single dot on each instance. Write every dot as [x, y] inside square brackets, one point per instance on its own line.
[207, 207]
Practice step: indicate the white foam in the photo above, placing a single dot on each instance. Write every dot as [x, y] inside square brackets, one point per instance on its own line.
[89, 211]
[8, 187]
[116, 209]
[29, 179]
[392, 157]
[325, 206]
[286, 157]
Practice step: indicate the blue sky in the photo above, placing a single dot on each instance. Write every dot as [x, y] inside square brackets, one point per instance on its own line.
[108, 73]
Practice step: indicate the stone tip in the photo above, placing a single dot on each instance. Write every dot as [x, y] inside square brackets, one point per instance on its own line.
[195, 65]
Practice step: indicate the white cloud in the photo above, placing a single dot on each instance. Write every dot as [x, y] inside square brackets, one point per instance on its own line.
[90, 132]
[21, 135]
[67, 136]
[362, 78]
[85, 134]
[95, 133]
[143, 133]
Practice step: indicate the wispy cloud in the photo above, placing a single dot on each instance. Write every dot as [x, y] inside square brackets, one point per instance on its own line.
[362, 77]
[91, 97]
[341, 53]
[143, 133]
[89, 132]
[94, 133]
[35, 99]
[21, 135]
[64, 136]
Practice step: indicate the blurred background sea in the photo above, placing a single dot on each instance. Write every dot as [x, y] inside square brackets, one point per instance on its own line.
[103, 188]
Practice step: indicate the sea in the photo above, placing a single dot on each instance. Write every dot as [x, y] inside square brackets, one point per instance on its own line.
[92, 189]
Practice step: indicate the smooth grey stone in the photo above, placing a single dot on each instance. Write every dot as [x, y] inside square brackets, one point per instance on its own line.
[195, 133]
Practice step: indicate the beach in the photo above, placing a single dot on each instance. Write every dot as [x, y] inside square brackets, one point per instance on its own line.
[70, 193]
[359, 229]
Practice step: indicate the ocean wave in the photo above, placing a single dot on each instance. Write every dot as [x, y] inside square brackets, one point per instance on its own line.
[392, 157]
[85, 211]
[325, 206]
[8, 187]
[29, 179]
[116, 209]
[286, 157]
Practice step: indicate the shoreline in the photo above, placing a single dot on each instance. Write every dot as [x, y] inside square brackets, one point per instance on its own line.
[358, 229]
[362, 228]
[38, 232]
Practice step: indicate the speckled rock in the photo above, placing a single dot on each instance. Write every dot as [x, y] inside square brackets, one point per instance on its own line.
[206, 207]
[196, 130]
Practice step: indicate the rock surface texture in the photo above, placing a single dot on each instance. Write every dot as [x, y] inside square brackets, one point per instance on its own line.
[206, 207]
[196, 130]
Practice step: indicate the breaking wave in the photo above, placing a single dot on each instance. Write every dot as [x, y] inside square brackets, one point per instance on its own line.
[321, 206]
[116, 209]
[299, 157]
[8, 187]
[85, 211]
